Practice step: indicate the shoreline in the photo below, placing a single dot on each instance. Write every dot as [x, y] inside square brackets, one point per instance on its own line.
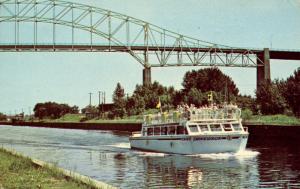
[121, 126]
[60, 173]
[256, 129]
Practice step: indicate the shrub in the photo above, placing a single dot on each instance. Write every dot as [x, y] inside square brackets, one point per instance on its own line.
[247, 114]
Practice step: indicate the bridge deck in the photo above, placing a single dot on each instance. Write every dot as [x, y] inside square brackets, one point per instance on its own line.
[274, 54]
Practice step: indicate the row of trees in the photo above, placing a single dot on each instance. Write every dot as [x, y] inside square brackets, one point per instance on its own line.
[196, 86]
[272, 98]
[280, 96]
[53, 110]
[275, 97]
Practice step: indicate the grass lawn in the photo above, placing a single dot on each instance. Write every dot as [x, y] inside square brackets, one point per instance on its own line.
[20, 172]
[75, 118]
[274, 119]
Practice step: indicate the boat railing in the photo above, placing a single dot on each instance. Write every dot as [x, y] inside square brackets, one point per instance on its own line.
[205, 114]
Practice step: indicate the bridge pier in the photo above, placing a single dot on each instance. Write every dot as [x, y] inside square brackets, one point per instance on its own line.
[147, 76]
[263, 69]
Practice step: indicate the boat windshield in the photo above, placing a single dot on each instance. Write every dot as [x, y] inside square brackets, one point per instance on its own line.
[227, 127]
[203, 128]
[236, 127]
[215, 127]
[193, 128]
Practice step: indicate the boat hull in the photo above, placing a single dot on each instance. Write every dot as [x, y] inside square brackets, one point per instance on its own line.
[191, 144]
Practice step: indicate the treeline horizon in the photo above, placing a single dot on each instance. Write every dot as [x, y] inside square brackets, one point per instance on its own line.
[272, 97]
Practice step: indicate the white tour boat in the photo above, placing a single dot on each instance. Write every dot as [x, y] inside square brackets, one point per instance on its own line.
[193, 131]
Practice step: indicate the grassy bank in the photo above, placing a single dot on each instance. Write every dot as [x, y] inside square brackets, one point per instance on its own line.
[247, 116]
[21, 172]
[264, 119]
[273, 120]
[75, 118]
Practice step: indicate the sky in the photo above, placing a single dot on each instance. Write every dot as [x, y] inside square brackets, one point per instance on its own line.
[28, 78]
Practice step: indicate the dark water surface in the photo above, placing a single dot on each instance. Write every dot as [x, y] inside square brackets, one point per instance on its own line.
[106, 156]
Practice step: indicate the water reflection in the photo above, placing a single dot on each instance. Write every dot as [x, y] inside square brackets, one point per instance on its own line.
[279, 162]
[199, 172]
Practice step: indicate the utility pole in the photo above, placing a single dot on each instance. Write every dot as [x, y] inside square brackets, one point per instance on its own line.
[99, 92]
[104, 97]
[101, 100]
[99, 107]
[90, 98]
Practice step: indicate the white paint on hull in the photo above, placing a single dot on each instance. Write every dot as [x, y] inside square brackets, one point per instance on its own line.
[191, 145]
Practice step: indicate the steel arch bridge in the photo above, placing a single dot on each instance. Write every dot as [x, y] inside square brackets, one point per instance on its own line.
[40, 25]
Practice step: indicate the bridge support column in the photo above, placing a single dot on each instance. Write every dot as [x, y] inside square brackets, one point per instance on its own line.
[147, 76]
[263, 69]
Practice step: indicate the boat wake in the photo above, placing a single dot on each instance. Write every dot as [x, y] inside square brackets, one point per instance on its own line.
[125, 145]
[239, 155]
[151, 154]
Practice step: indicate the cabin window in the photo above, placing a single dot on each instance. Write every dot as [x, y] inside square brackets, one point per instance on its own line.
[144, 131]
[227, 127]
[150, 131]
[164, 131]
[171, 130]
[193, 128]
[216, 127]
[203, 128]
[236, 127]
[181, 130]
[157, 131]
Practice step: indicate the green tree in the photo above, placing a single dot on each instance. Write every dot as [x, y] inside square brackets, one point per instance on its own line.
[2, 117]
[246, 102]
[151, 93]
[52, 110]
[135, 105]
[119, 101]
[291, 92]
[269, 99]
[209, 79]
[194, 96]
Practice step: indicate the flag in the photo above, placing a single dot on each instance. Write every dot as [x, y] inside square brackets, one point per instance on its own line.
[210, 96]
[158, 104]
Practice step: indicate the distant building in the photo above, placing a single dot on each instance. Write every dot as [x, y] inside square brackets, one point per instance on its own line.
[106, 107]
[16, 118]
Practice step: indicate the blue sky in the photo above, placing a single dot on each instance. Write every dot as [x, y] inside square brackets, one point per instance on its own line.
[28, 78]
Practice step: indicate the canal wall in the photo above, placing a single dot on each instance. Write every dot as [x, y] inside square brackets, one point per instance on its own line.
[267, 131]
[129, 127]
[255, 130]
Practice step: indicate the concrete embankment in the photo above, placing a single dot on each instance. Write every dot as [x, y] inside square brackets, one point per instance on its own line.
[259, 130]
[129, 127]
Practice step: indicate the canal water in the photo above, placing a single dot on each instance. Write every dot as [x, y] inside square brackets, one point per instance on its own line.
[106, 156]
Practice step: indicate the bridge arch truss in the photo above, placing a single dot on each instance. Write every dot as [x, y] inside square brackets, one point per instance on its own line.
[108, 31]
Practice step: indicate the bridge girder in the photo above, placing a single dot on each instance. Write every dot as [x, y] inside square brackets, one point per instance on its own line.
[109, 31]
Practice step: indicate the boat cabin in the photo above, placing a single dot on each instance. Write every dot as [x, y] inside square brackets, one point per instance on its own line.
[193, 128]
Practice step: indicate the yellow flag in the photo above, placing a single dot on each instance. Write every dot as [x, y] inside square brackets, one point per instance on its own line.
[210, 96]
[158, 104]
